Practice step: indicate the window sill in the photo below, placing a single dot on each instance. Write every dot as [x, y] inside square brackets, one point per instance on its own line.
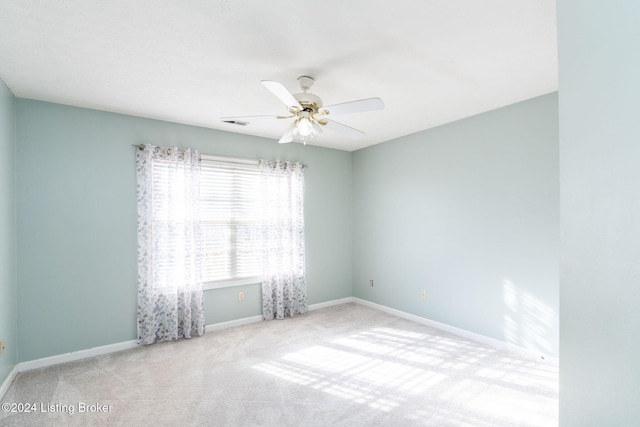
[230, 283]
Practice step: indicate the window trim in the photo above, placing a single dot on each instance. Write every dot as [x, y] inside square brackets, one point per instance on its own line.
[221, 284]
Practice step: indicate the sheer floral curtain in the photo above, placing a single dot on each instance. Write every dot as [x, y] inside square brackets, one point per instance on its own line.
[170, 296]
[284, 287]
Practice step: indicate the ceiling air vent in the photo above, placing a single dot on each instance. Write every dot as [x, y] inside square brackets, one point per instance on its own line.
[236, 122]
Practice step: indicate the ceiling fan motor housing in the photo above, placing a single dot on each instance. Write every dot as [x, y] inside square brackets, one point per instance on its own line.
[309, 101]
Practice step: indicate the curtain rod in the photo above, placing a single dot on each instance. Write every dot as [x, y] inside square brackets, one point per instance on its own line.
[239, 160]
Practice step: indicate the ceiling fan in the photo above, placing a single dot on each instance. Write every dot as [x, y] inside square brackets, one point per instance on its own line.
[310, 116]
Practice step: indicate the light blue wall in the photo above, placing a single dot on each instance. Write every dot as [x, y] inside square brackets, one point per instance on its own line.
[600, 212]
[467, 212]
[76, 194]
[8, 282]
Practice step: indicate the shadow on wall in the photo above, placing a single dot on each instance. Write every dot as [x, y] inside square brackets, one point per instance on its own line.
[527, 321]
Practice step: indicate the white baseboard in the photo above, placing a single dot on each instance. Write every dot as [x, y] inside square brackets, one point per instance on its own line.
[7, 382]
[111, 348]
[520, 351]
[232, 323]
[76, 355]
[330, 303]
[258, 318]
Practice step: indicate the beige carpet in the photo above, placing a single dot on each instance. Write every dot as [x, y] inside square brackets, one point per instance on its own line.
[346, 365]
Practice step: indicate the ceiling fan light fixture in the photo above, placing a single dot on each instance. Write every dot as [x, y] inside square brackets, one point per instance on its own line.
[297, 137]
[304, 125]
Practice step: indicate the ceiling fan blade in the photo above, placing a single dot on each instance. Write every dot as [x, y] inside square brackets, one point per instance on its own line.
[286, 138]
[282, 93]
[343, 130]
[288, 135]
[369, 104]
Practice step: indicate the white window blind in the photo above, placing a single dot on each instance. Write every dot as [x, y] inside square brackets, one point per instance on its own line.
[229, 199]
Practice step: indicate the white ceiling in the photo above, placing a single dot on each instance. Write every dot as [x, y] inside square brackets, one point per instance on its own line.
[194, 61]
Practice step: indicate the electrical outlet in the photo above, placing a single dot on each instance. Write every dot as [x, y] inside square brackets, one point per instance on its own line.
[423, 294]
[370, 282]
[240, 296]
[2, 347]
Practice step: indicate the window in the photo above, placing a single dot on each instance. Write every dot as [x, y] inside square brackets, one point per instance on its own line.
[229, 195]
